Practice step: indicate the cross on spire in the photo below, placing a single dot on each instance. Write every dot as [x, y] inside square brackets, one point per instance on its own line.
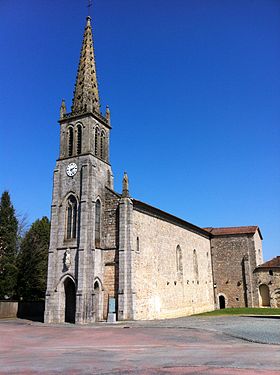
[89, 6]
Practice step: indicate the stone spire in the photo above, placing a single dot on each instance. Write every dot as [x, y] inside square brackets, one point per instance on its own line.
[86, 97]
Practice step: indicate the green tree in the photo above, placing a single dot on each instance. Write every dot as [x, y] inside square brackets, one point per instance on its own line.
[33, 261]
[8, 247]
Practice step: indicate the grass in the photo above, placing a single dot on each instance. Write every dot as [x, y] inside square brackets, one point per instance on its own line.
[242, 311]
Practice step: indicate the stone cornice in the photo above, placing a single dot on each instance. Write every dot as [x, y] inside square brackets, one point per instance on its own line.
[82, 114]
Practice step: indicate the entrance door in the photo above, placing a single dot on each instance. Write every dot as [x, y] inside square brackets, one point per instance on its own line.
[222, 302]
[264, 293]
[70, 300]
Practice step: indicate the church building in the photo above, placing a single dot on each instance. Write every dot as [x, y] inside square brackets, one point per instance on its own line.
[113, 257]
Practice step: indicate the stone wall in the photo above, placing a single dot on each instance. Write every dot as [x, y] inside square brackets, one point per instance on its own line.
[110, 221]
[234, 258]
[109, 279]
[271, 279]
[166, 281]
[109, 252]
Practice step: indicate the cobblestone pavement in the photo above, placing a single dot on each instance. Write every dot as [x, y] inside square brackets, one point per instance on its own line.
[200, 346]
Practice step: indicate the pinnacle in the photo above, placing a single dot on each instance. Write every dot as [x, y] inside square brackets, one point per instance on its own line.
[86, 97]
[125, 188]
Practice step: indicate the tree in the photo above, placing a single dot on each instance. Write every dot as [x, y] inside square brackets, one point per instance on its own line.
[33, 261]
[8, 247]
[22, 228]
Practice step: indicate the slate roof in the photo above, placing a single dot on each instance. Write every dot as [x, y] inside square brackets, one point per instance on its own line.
[272, 263]
[233, 230]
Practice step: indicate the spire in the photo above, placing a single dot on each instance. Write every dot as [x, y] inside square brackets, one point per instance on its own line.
[125, 188]
[86, 97]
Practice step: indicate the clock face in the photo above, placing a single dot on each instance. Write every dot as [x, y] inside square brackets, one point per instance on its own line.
[71, 169]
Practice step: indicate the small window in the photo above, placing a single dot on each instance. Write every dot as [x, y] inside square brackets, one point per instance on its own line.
[179, 260]
[79, 139]
[70, 141]
[137, 245]
[270, 272]
[195, 264]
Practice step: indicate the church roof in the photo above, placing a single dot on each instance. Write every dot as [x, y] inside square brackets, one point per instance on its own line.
[272, 263]
[233, 230]
[86, 97]
[155, 212]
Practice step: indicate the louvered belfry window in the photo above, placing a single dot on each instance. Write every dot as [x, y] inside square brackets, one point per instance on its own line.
[70, 141]
[79, 139]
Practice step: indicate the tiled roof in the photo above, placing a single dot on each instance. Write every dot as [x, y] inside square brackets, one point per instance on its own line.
[272, 263]
[233, 230]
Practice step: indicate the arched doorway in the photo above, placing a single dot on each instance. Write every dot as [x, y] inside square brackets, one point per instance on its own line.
[70, 300]
[264, 294]
[222, 302]
[97, 307]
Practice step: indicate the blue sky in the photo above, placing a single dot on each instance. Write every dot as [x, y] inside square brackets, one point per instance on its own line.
[194, 92]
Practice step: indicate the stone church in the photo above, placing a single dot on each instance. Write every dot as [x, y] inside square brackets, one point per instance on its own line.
[112, 257]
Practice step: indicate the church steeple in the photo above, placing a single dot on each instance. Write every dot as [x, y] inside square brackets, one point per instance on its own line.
[86, 97]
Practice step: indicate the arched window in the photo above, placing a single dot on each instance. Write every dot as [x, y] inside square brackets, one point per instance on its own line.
[97, 223]
[195, 265]
[96, 142]
[71, 229]
[79, 139]
[102, 145]
[179, 260]
[70, 141]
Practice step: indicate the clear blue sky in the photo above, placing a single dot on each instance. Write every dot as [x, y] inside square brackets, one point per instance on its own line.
[194, 92]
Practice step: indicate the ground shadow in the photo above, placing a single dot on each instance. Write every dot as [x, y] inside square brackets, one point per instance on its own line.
[31, 310]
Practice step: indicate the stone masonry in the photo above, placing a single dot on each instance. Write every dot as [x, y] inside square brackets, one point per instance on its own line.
[268, 281]
[163, 288]
[235, 254]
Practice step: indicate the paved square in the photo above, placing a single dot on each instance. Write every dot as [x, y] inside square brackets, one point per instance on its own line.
[177, 346]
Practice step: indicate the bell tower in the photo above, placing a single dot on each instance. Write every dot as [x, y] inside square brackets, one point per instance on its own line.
[84, 130]
[81, 177]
